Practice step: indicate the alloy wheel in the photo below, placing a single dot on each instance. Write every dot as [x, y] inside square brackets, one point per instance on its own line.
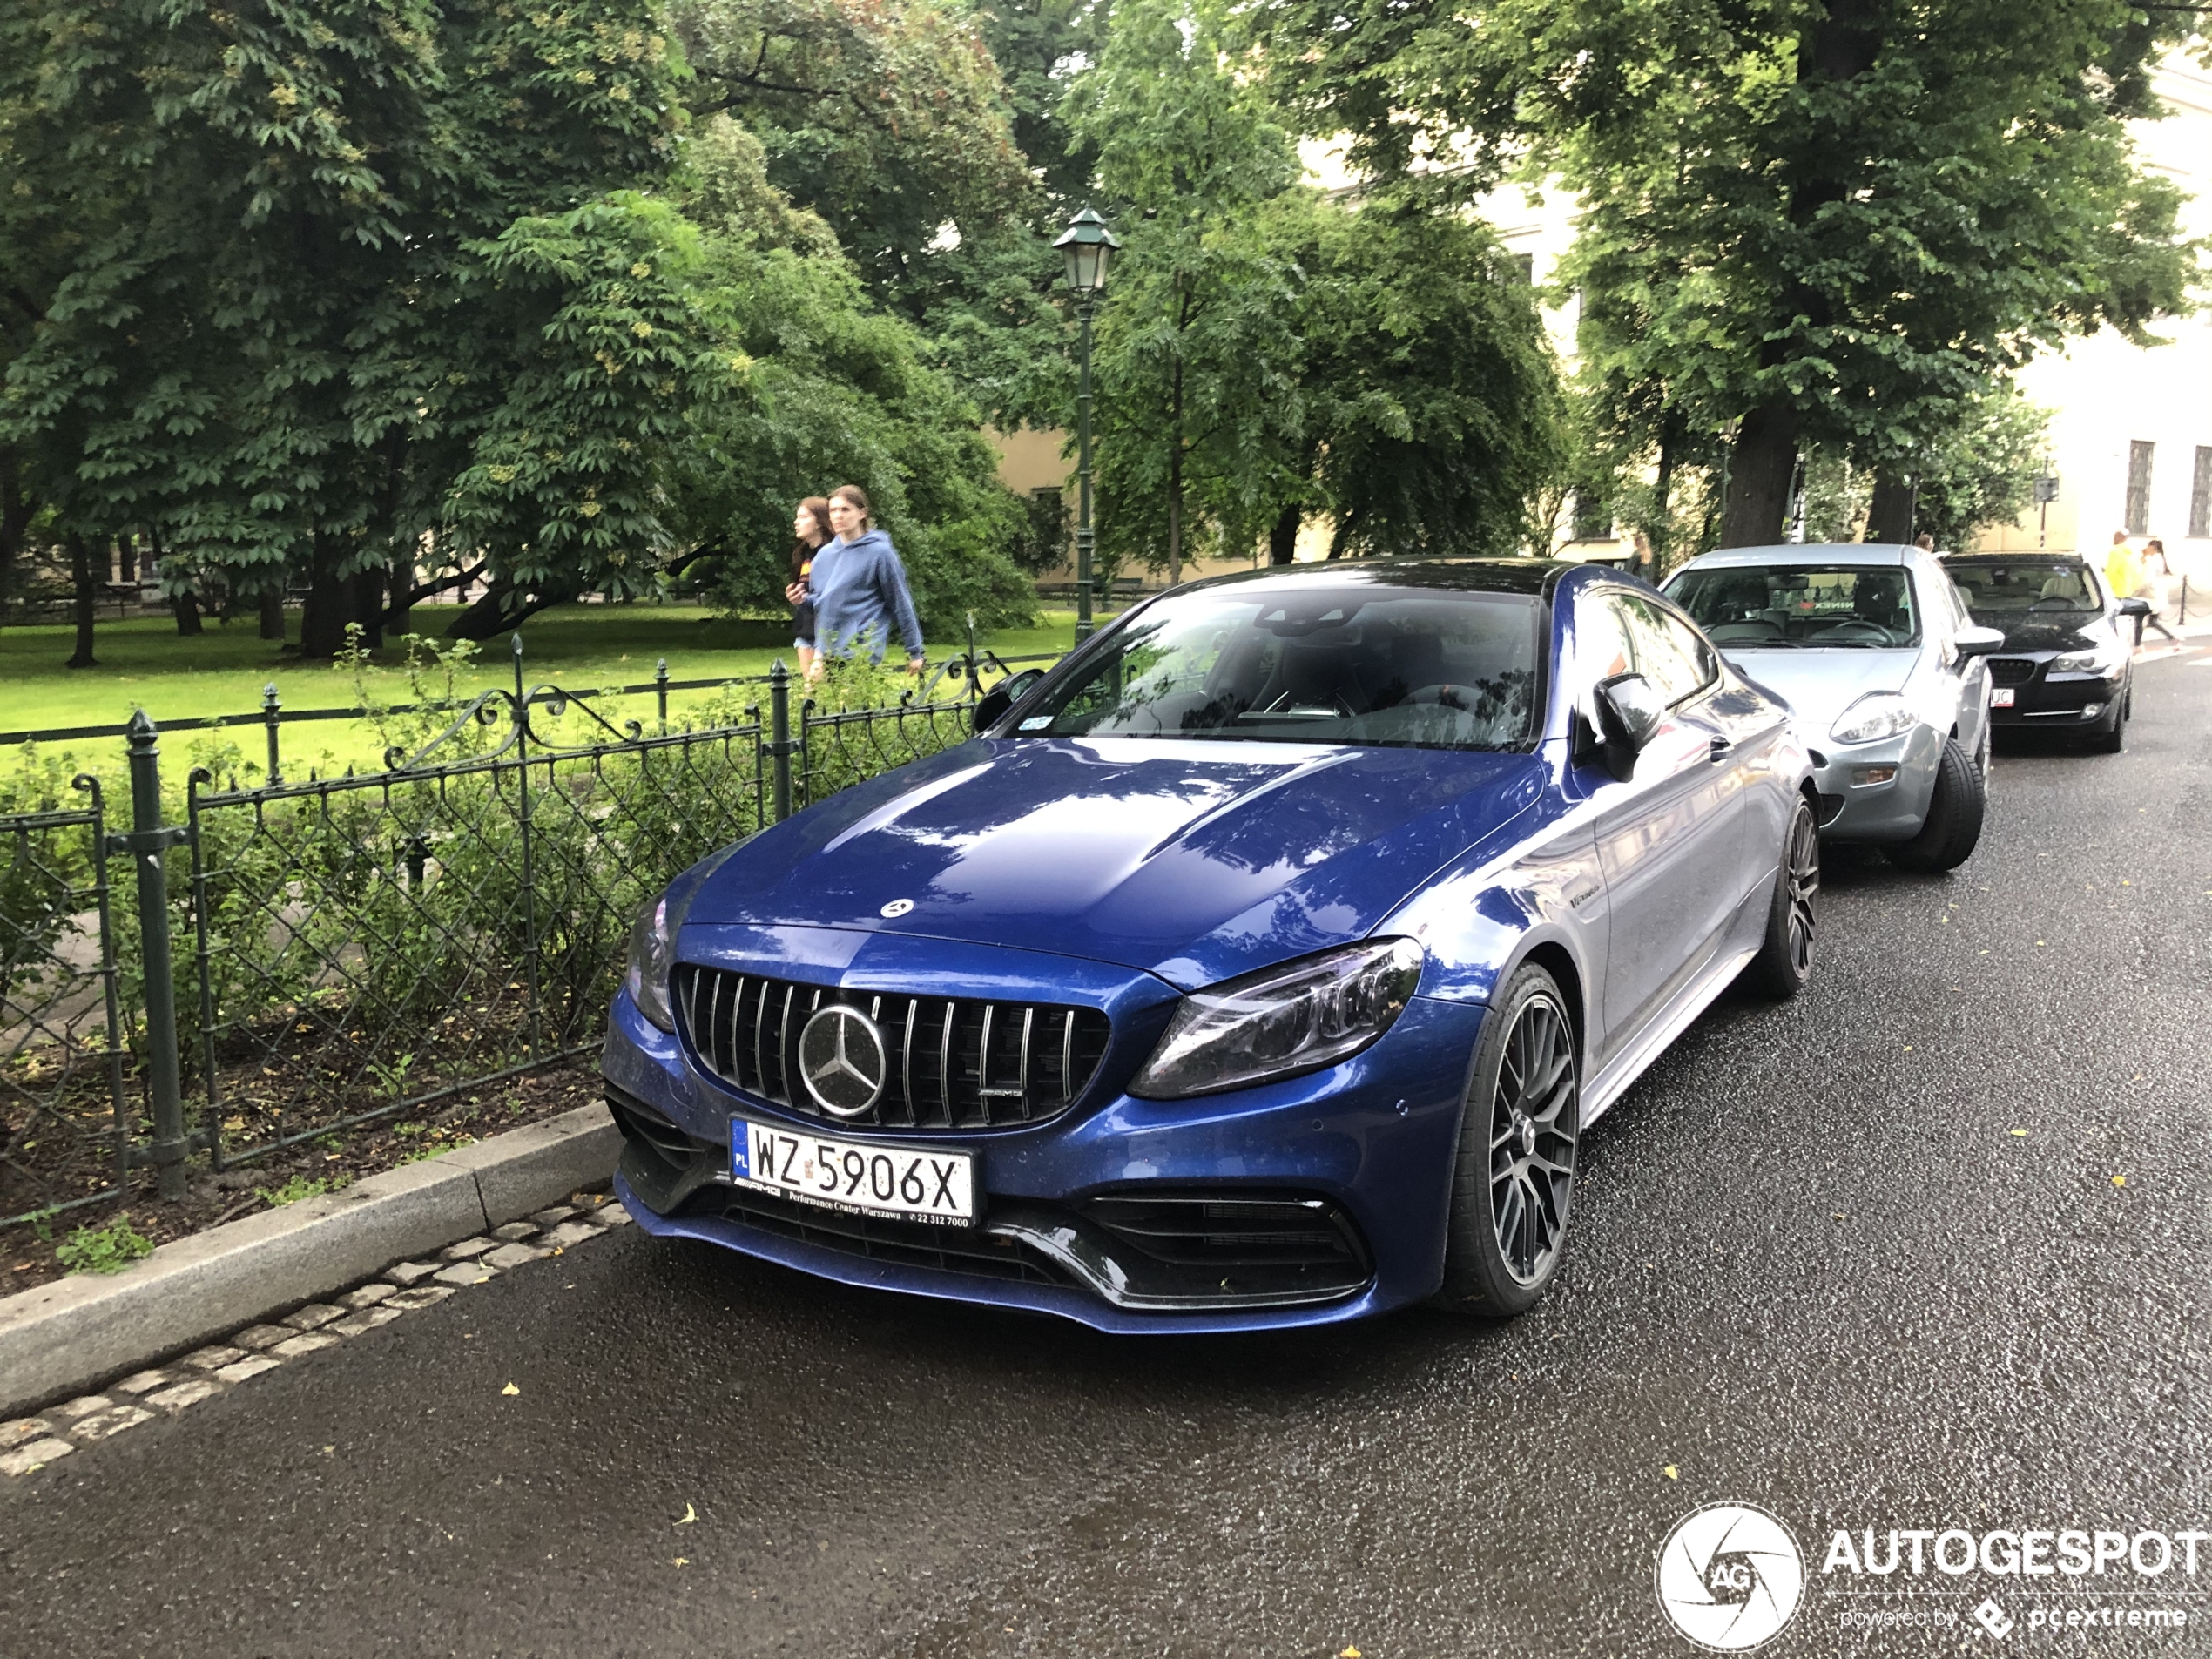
[1804, 886]
[1534, 1117]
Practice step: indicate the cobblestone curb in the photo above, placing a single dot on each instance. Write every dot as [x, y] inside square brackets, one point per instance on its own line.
[30, 1443]
[64, 1338]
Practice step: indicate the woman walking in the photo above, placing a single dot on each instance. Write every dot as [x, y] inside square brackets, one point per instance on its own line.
[2150, 585]
[811, 524]
[861, 592]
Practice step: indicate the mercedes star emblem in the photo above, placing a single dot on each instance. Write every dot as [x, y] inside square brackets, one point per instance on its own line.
[896, 909]
[842, 1060]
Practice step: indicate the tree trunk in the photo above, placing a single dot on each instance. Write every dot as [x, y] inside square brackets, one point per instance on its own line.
[501, 607]
[1174, 479]
[15, 510]
[330, 601]
[273, 610]
[1889, 515]
[82, 582]
[1282, 535]
[1660, 531]
[1761, 470]
[186, 605]
[400, 619]
[368, 608]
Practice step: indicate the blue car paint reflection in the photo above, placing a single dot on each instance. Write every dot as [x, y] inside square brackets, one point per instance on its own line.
[1118, 874]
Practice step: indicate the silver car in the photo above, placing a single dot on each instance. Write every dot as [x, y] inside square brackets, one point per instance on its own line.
[1875, 654]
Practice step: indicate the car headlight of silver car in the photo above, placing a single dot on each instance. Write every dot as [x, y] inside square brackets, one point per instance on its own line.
[1877, 715]
[1292, 1018]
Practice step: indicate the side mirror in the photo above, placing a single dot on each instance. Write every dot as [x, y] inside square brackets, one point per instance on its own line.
[1978, 642]
[1628, 713]
[994, 703]
[2135, 607]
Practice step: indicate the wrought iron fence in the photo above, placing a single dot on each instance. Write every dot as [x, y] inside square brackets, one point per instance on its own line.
[62, 1128]
[307, 957]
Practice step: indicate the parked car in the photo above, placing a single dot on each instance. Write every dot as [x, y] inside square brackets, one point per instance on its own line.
[2067, 662]
[1262, 964]
[1873, 649]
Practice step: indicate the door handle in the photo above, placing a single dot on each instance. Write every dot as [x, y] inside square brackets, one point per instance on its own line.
[1720, 750]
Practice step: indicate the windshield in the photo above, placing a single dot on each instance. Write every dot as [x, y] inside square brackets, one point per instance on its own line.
[1367, 665]
[1782, 607]
[2056, 585]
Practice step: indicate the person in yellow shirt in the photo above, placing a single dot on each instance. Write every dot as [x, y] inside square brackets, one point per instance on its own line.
[2123, 570]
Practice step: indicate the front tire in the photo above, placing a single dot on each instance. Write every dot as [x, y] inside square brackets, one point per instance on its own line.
[2112, 741]
[1513, 1184]
[1953, 823]
[1784, 962]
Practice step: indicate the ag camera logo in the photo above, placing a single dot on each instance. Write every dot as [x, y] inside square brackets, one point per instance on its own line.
[1730, 1577]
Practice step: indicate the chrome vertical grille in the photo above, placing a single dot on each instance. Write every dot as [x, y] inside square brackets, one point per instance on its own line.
[955, 1062]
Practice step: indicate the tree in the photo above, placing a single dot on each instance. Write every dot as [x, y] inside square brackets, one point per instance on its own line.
[336, 287]
[1194, 344]
[890, 121]
[1430, 406]
[1981, 473]
[1838, 223]
[839, 392]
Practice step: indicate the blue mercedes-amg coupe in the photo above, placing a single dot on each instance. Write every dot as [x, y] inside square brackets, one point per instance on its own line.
[1262, 964]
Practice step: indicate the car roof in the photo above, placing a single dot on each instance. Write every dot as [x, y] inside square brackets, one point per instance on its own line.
[1873, 553]
[1531, 576]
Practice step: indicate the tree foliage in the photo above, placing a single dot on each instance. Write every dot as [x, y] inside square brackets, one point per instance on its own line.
[1824, 224]
[340, 281]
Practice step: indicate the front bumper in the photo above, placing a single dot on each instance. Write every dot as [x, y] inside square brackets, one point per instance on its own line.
[1125, 1215]
[1858, 803]
[2041, 704]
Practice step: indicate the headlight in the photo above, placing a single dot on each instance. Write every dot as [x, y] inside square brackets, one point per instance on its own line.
[1878, 714]
[2104, 662]
[653, 953]
[1297, 1017]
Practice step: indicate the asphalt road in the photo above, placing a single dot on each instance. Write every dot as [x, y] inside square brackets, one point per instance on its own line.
[1815, 1270]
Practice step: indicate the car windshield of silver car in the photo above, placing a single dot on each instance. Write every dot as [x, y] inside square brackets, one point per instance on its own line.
[1783, 607]
[1362, 665]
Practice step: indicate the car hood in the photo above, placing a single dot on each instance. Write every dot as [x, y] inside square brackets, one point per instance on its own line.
[1820, 684]
[2040, 631]
[1193, 860]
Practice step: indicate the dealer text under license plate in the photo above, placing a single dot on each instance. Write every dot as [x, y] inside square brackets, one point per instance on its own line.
[925, 1184]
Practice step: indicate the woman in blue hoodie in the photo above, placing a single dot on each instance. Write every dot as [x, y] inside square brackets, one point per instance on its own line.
[860, 593]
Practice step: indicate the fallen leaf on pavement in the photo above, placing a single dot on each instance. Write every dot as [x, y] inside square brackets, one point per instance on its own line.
[690, 1515]
[2120, 1180]
[2016, 1131]
[1672, 1472]
[510, 1389]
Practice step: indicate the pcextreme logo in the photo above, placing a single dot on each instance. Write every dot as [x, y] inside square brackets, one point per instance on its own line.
[1730, 1577]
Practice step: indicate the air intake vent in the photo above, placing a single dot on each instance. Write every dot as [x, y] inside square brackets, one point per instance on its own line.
[956, 1063]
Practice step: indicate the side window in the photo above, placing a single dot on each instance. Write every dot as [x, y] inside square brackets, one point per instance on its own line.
[1604, 646]
[1668, 652]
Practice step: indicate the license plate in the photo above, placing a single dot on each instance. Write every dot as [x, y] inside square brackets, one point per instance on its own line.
[856, 1176]
[2000, 697]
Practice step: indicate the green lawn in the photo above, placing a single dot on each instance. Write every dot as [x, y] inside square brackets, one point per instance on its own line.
[143, 662]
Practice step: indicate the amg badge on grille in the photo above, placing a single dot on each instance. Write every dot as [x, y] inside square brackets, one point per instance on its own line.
[842, 1060]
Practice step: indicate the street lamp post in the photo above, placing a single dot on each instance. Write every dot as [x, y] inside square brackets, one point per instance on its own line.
[1086, 244]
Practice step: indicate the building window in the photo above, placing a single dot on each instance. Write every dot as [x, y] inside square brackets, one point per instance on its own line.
[1593, 519]
[2138, 520]
[2200, 494]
